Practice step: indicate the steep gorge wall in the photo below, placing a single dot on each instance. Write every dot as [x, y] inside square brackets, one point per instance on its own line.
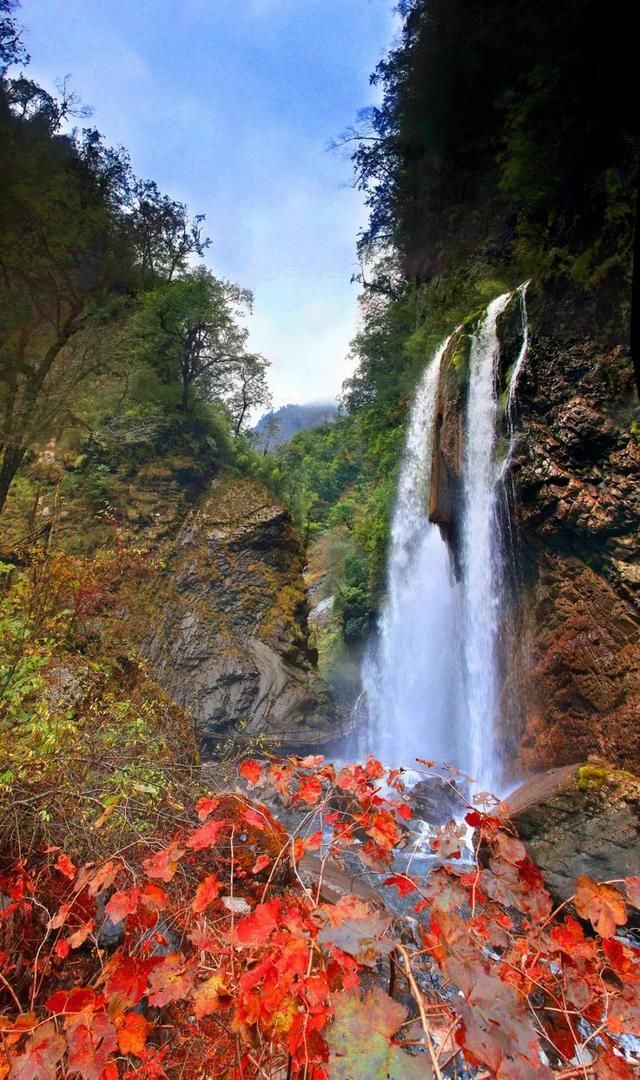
[576, 476]
[571, 608]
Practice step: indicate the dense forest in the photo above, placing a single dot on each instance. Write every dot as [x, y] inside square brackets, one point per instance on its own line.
[193, 604]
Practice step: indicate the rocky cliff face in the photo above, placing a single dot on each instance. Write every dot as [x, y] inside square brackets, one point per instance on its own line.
[576, 475]
[229, 640]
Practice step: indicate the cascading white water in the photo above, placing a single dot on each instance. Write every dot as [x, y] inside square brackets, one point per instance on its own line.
[481, 550]
[431, 679]
[411, 680]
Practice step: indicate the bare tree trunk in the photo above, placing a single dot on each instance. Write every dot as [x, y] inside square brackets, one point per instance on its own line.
[11, 461]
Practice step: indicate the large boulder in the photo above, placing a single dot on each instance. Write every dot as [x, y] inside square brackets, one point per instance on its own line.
[230, 636]
[579, 820]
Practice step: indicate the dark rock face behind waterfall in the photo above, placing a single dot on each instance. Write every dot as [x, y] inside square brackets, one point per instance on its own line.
[571, 661]
[576, 473]
[230, 638]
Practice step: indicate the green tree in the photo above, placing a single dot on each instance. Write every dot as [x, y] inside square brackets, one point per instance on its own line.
[188, 331]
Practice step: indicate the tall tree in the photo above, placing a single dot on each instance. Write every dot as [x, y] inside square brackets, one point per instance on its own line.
[79, 235]
[188, 331]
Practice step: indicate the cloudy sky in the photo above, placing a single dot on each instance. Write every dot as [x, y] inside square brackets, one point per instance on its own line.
[230, 106]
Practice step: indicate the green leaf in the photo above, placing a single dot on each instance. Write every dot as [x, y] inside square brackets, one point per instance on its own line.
[360, 1040]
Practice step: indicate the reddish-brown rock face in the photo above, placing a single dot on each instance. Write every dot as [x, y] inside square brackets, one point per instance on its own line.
[576, 475]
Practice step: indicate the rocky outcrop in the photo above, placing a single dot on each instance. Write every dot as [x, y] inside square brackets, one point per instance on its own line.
[229, 641]
[445, 492]
[578, 821]
[576, 473]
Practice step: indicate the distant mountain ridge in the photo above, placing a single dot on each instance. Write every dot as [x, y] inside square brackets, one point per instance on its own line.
[280, 425]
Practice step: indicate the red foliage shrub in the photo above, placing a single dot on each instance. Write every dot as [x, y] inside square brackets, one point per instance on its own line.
[208, 953]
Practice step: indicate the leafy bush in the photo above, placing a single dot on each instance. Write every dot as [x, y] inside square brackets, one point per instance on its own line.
[208, 951]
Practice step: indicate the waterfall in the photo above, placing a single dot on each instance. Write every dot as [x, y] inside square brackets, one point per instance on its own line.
[481, 550]
[432, 677]
[410, 679]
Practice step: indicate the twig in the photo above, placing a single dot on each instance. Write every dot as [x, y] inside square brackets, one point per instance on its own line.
[420, 1003]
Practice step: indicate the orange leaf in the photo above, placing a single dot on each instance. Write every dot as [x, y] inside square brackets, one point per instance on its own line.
[164, 863]
[122, 904]
[81, 935]
[251, 771]
[206, 836]
[309, 790]
[211, 995]
[65, 866]
[261, 862]
[313, 842]
[601, 904]
[153, 897]
[383, 829]
[170, 981]
[208, 890]
[132, 1036]
[206, 805]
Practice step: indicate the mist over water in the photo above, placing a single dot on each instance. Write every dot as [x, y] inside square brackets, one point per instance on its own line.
[431, 679]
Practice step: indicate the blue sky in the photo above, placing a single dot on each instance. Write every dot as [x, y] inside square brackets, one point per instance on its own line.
[230, 105]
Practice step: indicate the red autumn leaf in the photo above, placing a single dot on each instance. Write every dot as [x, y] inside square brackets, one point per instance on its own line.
[41, 1056]
[122, 904]
[208, 890]
[128, 977]
[206, 836]
[403, 884]
[313, 842]
[206, 805]
[164, 863]
[404, 811]
[65, 866]
[298, 849]
[256, 819]
[72, 1001]
[80, 936]
[255, 929]
[261, 862]
[309, 790]
[510, 848]
[373, 768]
[311, 761]
[570, 939]
[132, 1034]
[251, 771]
[90, 1045]
[170, 981]
[62, 949]
[603, 905]
[153, 897]
[210, 996]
